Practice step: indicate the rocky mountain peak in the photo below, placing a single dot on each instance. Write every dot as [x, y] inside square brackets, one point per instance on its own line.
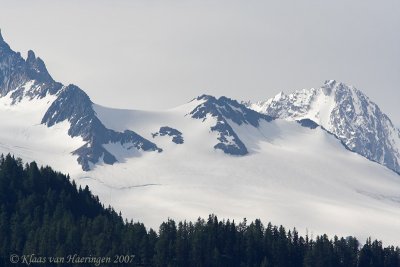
[226, 111]
[24, 78]
[37, 69]
[345, 112]
[31, 57]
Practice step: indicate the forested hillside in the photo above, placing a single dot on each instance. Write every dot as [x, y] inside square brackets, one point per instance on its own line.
[43, 213]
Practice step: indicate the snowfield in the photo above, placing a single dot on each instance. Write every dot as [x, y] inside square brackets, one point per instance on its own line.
[23, 135]
[293, 175]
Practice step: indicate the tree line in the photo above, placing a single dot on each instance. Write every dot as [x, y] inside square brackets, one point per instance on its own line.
[43, 212]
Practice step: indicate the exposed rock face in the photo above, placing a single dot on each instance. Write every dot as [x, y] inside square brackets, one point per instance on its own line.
[226, 111]
[17, 73]
[345, 112]
[176, 135]
[30, 79]
[74, 105]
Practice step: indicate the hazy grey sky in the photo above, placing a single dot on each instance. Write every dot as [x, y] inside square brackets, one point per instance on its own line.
[156, 54]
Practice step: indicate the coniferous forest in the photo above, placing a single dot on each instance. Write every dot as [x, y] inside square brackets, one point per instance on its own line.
[45, 218]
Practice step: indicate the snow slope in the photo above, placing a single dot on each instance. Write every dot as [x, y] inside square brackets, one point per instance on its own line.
[23, 135]
[293, 175]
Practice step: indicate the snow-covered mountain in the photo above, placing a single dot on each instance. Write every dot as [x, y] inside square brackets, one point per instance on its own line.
[73, 105]
[29, 79]
[210, 155]
[345, 112]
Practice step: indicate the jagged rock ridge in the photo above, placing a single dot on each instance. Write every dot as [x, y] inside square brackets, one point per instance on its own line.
[30, 79]
[74, 105]
[224, 110]
[24, 77]
[345, 112]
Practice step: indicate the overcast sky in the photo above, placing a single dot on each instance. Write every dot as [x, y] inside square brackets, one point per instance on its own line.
[156, 54]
